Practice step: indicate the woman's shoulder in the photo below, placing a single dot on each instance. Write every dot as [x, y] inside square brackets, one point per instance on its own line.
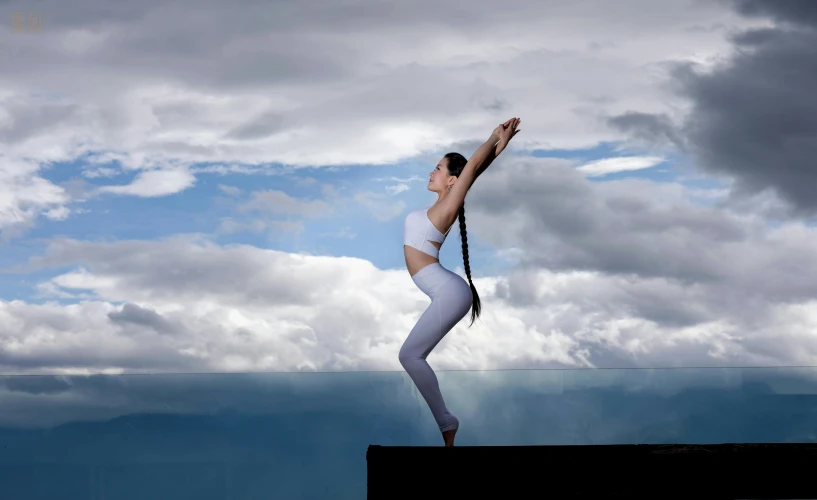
[439, 216]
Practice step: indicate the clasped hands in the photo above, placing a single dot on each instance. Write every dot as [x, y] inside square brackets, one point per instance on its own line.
[506, 131]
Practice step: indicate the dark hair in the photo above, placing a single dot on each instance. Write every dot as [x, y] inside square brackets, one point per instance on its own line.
[456, 162]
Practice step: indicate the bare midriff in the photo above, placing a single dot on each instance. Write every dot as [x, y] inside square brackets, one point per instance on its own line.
[415, 259]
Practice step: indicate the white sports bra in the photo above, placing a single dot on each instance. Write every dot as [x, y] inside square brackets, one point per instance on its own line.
[418, 232]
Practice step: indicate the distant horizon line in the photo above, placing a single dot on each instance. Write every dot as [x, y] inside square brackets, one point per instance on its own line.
[401, 371]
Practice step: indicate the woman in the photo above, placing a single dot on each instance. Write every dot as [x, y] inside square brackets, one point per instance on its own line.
[449, 293]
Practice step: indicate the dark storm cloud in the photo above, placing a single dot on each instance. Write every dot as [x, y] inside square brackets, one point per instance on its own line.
[133, 314]
[793, 11]
[754, 117]
[653, 129]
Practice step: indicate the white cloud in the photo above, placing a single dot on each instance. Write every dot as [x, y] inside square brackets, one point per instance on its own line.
[229, 225]
[397, 189]
[606, 166]
[154, 183]
[93, 173]
[58, 213]
[279, 202]
[24, 195]
[413, 178]
[230, 190]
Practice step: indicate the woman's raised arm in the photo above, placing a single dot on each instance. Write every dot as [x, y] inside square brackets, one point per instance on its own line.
[505, 132]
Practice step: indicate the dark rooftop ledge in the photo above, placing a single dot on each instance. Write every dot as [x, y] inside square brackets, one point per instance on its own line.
[784, 470]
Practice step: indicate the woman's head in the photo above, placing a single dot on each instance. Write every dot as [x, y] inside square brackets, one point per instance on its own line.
[445, 173]
[455, 162]
[443, 176]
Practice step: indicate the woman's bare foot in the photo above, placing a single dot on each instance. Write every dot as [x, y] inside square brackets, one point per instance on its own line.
[448, 437]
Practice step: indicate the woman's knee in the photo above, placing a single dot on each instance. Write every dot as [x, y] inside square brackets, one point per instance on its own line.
[409, 354]
[405, 356]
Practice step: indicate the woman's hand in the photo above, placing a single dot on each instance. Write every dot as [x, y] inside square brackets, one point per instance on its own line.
[488, 152]
[508, 130]
[497, 133]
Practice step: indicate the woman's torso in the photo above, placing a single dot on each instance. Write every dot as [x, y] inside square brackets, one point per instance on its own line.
[415, 259]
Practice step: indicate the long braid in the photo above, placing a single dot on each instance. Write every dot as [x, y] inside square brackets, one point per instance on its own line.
[476, 307]
[456, 163]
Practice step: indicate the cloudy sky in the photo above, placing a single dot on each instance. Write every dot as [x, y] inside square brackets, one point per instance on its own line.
[210, 187]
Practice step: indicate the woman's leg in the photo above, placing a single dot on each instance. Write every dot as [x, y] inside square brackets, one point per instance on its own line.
[448, 306]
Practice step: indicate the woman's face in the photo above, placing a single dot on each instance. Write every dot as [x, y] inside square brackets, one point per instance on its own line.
[438, 179]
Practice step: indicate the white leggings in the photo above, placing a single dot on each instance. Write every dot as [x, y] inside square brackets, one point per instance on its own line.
[450, 301]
